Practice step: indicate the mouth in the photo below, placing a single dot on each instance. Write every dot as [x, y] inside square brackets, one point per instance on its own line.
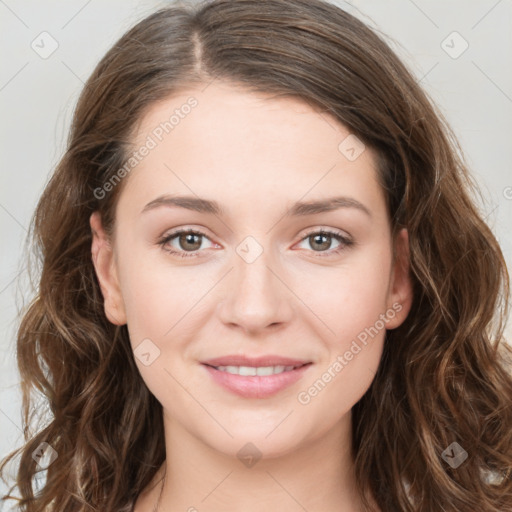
[255, 371]
[255, 378]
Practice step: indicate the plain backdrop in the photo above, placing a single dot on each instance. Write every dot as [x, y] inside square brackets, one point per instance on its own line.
[459, 50]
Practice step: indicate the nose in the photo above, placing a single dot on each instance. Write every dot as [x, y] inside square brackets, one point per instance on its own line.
[256, 296]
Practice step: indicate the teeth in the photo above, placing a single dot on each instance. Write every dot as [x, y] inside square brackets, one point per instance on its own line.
[252, 371]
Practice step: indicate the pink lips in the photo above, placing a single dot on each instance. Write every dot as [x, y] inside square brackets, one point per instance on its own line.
[258, 386]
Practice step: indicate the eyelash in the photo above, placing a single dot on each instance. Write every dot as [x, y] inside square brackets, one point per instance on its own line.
[345, 242]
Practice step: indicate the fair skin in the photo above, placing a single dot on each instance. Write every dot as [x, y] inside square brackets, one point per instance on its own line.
[256, 156]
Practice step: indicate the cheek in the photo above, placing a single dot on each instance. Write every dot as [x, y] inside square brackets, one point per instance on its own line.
[339, 385]
[351, 306]
[161, 304]
[348, 299]
[157, 296]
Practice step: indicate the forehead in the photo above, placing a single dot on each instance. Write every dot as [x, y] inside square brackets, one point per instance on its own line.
[247, 149]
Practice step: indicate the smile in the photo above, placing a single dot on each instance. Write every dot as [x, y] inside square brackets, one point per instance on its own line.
[247, 371]
[256, 381]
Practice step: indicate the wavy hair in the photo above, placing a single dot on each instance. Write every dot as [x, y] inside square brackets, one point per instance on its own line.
[444, 375]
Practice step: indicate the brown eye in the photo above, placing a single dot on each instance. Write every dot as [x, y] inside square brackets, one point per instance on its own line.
[321, 242]
[183, 243]
[189, 241]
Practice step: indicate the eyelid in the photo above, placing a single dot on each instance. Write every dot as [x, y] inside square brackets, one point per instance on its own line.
[330, 231]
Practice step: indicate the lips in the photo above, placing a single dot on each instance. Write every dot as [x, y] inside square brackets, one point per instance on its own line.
[257, 377]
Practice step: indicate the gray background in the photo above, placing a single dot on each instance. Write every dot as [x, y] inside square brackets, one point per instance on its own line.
[37, 96]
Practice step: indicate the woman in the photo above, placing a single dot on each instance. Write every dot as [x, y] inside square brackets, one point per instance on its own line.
[264, 282]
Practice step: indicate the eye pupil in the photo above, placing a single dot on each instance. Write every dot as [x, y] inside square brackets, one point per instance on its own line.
[189, 238]
[320, 236]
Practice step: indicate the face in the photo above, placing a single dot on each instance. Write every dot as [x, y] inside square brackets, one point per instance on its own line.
[280, 255]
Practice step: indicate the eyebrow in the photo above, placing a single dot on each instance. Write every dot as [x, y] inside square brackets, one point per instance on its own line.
[300, 208]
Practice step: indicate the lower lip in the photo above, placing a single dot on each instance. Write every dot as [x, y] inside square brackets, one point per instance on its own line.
[258, 386]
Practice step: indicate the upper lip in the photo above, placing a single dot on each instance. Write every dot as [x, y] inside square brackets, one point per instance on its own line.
[268, 360]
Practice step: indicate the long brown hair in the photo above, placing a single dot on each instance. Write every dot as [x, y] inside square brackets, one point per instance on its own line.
[444, 376]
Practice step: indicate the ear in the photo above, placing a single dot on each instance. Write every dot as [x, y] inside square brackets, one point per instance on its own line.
[400, 293]
[105, 267]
